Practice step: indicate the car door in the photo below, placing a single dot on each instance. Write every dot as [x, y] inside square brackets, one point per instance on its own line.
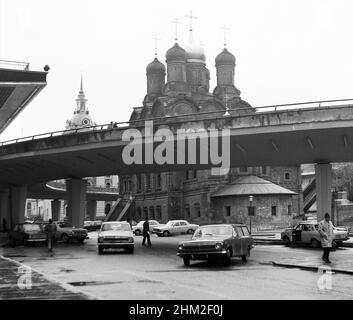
[175, 229]
[297, 233]
[247, 238]
[183, 227]
[242, 240]
[237, 235]
[307, 233]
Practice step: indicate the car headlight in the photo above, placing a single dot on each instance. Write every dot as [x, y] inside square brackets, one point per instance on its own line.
[219, 246]
[180, 247]
[100, 239]
[131, 240]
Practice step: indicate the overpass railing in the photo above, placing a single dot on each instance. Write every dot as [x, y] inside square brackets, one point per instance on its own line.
[333, 104]
[17, 65]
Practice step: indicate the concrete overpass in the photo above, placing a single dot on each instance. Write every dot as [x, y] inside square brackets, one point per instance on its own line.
[318, 135]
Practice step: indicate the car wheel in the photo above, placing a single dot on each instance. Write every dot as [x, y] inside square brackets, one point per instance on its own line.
[81, 240]
[315, 243]
[286, 241]
[190, 231]
[100, 250]
[137, 233]
[130, 250]
[186, 262]
[166, 234]
[65, 238]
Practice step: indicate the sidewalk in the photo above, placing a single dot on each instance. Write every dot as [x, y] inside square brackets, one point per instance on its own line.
[39, 287]
[341, 263]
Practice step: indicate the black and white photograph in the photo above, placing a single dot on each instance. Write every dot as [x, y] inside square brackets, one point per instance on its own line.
[161, 152]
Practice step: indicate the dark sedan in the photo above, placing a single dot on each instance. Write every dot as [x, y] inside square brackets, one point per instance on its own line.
[26, 233]
[213, 242]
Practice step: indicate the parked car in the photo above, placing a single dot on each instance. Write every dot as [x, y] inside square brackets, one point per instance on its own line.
[138, 228]
[306, 232]
[212, 242]
[173, 227]
[116, 235]
[66, 233]
[26, 233]
[92, 225]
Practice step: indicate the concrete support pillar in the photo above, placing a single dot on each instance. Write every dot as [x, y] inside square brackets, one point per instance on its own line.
[18, 204]
[76, 201]
[92, 209]
[4, 209]
[323, 175]
[55, 210]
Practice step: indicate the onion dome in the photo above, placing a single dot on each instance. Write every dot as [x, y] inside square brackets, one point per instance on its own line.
[195, 52]
[225, 57]
[175, 53]
[155, 67]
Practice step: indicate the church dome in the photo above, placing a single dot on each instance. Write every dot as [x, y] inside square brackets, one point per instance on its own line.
[195, 52]
[155, 67]
[175, 53]
[80, 120]
[225, 57]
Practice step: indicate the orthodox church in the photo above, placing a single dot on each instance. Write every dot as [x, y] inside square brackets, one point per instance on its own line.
[182, 87]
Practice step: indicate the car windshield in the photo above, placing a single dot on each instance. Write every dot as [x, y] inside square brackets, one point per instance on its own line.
[32, 227]
[116, 227]
[214, 231]
[169, 223]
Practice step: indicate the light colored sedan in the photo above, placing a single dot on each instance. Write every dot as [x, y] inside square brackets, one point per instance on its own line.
[116, 235]
[138, 229]
[173, 227]
[66, 233]
[306, 232]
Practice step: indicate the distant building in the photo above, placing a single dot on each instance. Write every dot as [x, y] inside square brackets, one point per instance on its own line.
[182, 88]
[81, 119]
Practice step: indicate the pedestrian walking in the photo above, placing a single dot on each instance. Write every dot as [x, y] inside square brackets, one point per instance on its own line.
[146, 233]
[50, 230]
[326, 233]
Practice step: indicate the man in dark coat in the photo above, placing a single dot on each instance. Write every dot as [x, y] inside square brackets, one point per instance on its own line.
[146, 233]
[50, 230]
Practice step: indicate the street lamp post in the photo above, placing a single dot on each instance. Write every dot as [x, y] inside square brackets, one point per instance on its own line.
[251, 199]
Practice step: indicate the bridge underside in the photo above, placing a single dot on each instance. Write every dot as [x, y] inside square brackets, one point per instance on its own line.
[17, 89]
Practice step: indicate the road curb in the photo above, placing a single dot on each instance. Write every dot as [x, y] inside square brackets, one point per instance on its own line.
[311, 268]
[61, 284]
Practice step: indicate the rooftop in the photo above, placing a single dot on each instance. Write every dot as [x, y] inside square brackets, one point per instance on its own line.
[251, 185]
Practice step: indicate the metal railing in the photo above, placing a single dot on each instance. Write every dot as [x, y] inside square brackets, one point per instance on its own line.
[332, 104]
[17, 65]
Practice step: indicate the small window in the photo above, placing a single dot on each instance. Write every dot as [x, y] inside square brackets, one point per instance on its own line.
[289, 209]
[197, 209]
[159, 212]
[151, 212]
[187, 211]
[228, 211]
[107, 185]
[287, 176]
[273, 210]
[264, 170]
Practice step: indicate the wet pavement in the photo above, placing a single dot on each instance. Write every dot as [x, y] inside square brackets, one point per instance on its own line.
[18, 281]
[157, 273]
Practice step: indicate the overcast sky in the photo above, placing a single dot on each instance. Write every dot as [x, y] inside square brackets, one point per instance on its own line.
[286, 51]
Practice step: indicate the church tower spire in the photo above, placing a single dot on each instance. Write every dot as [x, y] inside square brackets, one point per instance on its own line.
[81, 116]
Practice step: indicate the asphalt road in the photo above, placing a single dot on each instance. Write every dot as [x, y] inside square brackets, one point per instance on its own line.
[157, 273]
